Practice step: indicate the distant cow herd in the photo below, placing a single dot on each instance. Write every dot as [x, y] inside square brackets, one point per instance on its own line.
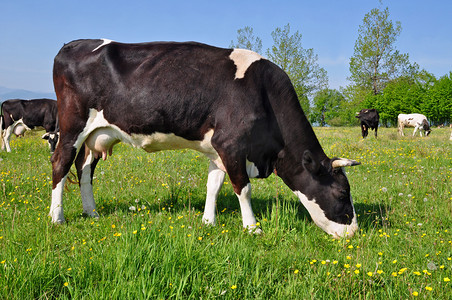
[232, 105]
[369, 119]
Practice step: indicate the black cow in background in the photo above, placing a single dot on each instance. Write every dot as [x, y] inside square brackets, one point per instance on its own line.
[19, 115]
[369, 118]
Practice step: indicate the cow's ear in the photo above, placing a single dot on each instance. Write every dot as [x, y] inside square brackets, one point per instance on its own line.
[310, 163]
[46, 136]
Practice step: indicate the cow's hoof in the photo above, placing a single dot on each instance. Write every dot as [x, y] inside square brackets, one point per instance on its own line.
[254, 230]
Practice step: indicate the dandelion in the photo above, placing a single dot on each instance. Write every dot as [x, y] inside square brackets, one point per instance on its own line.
[370, 274]
[200, 238]
[380, 272]
[428, 288]
[233, 287]
[66, 283]
[415, 294]
[296, 271]
[358, 265]
[356, 271]
[135, 231]
[446, 279]
[3, 261]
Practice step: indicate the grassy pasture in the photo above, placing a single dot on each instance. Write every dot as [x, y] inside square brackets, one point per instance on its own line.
[150, 243]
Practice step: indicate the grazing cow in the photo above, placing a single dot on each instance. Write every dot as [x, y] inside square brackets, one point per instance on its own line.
[369, 118]
[232, 105]
[20, 115]
[418, 121]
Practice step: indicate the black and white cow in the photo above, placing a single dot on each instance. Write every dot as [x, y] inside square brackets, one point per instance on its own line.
[234, 106]
[21, 115]
[418, 121]
[369, 118]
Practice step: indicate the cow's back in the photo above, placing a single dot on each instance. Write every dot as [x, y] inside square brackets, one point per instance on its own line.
[163, 87]
[185, 89]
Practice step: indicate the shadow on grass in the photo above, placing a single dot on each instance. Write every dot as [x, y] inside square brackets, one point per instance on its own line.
[370, 216]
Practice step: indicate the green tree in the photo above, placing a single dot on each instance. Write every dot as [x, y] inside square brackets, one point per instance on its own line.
[326, 107]
[247, 40]
[299, 63]
[438, 108]
[376, 61]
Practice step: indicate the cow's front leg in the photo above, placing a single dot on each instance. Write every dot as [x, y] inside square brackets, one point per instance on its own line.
[85, 164]
[238, 174]
[215, 181]
[249, 221]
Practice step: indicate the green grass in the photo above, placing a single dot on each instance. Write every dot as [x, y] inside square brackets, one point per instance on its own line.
[150, 243]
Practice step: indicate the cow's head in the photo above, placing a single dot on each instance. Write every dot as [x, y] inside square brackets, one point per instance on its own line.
[324, 190]
[426, 127]
[52, 138]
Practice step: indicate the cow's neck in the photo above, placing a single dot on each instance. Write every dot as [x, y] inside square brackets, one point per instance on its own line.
[298, 136]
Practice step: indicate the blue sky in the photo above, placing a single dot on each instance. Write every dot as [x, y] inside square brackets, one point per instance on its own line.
[32, 32]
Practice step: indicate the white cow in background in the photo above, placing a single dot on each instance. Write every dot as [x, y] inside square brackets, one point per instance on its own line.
[418, 121]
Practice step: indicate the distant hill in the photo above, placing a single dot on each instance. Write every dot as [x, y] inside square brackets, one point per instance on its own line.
[7, 93]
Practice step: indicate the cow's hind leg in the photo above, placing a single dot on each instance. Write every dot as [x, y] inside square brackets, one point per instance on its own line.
[85, 164]
[62, 159]
[7, 137]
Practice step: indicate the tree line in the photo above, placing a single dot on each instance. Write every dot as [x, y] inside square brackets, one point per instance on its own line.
[381, 76]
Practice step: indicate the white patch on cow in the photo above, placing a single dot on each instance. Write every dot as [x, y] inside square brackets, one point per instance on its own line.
[215, 181]
[243, 59]
[104, 42]
[56, 207]
[318, 216]
[251, 169]
[248, 219]
[100, 136]
[86, 187]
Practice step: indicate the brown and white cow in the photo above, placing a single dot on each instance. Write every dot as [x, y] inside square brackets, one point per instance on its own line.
[418, 121]
[368, 118]
[234, 106]
[20, 115]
